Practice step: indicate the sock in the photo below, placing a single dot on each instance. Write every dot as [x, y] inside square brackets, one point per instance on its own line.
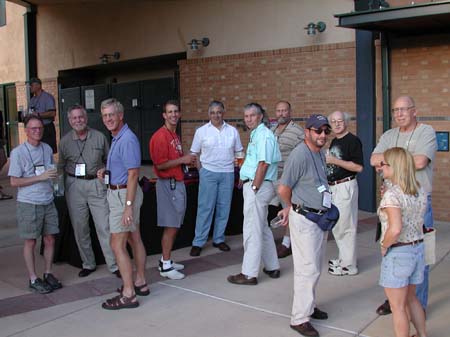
[166, 264]
[286, 241]
[33, 280]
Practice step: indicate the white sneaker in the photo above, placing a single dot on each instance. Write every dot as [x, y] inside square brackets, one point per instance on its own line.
[172, 274]
[334, 263]
[342, 271]
[176, 266]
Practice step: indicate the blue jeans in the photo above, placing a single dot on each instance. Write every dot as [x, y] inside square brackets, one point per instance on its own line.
[422, 289]
[215, 192]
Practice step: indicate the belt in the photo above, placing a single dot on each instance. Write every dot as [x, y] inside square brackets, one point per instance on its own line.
[117, 187]
[86, 177]
[399, 244]
[303, 210]
[247, 180]
[340, 181]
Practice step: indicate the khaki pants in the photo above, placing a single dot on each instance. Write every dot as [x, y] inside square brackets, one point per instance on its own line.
[308, 244]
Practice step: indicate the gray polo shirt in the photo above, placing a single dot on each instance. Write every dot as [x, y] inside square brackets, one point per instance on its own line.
[288, 139]
[43, 103]
[304, 172]
[23, 159]
[93, 151]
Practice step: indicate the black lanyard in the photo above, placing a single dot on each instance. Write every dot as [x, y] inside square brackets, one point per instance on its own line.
[31, 158]
[315, 166]
[81, 150]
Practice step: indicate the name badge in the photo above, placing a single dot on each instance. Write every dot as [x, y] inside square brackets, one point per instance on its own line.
[38, 170]
[321, 188]
[80, 170]
[107, 177]
[326, 200]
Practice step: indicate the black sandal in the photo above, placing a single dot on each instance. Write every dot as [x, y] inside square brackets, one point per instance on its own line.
[138, 290]
[120, 302]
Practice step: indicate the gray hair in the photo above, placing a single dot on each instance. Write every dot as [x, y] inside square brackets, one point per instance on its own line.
[76, 107]
[259, 110]
[215, 104]
[118, 107]
[346, 116]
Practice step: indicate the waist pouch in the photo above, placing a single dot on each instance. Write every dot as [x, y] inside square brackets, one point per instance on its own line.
[325, 221]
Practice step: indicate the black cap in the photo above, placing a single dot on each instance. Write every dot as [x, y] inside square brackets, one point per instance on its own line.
[35, 80]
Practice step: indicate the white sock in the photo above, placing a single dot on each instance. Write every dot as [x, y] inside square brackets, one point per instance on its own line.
[166, 264]
[286, 241]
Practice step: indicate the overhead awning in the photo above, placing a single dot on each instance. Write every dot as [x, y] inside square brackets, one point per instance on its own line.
[423, 18]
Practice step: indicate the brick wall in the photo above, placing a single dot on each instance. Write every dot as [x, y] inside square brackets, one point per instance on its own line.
[314, 79]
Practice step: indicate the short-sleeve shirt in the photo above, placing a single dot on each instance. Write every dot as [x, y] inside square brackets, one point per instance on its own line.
[262, 147]
[125, 154]
[165, 145]
[421, 141]
[413, 210]
[304, 172]
[24, 158]
[43, 103]
[288, 139]
[348, 148]
[217, 146]
[92, 151]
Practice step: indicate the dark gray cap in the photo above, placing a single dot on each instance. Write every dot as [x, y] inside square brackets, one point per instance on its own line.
[35, 80]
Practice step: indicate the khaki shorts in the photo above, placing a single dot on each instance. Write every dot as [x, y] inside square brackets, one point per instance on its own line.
[36, 220]
[116, 201]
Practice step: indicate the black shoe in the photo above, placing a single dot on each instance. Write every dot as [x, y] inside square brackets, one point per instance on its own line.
[195, 251]
[305, 329]
[86, 272]
[222, 246]
[319, 314]
[272, 273]
[384, 309]
[40, 286]
[117, 273]
[52, 281]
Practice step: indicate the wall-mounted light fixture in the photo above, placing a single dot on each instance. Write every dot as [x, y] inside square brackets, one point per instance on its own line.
[312, 27]
[104, 59]
[195, 44]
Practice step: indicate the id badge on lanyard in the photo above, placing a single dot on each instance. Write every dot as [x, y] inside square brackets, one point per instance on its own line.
[80, 170]
[39, 169]
[326, 199]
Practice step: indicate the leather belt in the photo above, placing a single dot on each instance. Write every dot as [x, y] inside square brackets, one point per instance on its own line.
[247, 180]
[86, 177]
[117, 187]
[400, 244]
[340, 181]
[303, 210]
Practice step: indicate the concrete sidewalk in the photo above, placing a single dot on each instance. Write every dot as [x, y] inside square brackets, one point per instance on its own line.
[205, 304]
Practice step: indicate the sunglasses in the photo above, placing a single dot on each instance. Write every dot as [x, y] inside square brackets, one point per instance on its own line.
[319, 132]
[384, 164]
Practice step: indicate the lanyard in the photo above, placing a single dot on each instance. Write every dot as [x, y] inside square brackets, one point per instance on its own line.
[176, 141]
[81, 150]
[410, 137]
[315, 166]
[31, 158]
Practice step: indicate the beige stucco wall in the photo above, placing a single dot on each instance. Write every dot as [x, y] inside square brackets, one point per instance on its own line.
[71, 36]
[12, 45]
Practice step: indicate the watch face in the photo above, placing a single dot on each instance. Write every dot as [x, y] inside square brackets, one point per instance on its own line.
[128, 203]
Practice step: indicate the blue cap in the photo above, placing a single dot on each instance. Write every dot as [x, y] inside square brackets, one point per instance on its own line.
[316, 122]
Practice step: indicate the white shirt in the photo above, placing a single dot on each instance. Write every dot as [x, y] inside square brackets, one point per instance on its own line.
[217, 146]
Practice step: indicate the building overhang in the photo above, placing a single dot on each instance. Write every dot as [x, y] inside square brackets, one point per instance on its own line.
[418, 19]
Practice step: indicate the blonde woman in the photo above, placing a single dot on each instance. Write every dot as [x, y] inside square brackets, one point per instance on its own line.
[401, 213]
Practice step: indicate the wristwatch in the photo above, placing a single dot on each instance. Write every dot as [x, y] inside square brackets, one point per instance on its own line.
[129, 203]
[254, 188]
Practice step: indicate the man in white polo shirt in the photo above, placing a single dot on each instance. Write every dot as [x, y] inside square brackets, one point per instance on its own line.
[216, 142]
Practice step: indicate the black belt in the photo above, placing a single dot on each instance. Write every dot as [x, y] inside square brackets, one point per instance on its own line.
[247, 180]
[400, 244]
[117, 187]
[340, 181]
[85, 177]
[303, 210]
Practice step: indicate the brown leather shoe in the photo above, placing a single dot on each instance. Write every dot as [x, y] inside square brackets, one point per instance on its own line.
[222, 246]
[305, 329]
[384, 309]
[242, 280]
[283, 251]
[195, 251]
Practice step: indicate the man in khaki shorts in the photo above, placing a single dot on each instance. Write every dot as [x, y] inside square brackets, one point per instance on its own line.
[31, 171]
[125, 199]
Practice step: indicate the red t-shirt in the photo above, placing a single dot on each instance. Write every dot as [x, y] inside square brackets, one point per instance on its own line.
[164, 146]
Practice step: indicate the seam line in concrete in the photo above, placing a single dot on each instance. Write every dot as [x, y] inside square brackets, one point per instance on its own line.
[253, 307]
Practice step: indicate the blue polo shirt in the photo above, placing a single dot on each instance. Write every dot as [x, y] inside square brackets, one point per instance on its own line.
[125, 154]
[263, 146]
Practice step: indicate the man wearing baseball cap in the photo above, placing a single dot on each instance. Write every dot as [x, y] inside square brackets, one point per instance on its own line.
[304, 189]
[43, 104]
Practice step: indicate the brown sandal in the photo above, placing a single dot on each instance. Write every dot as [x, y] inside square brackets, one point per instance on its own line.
[120, 302]
[137, 289]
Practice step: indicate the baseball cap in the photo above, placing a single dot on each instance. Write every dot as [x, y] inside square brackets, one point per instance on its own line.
[35, 80]
[316, 122]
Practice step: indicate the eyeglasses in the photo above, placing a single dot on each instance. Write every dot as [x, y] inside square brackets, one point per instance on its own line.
[337, 121]
[319, 132]
[35, 129]
[382, 163]
[402, 109]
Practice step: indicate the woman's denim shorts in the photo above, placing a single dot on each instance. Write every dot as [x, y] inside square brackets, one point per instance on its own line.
[402, 266]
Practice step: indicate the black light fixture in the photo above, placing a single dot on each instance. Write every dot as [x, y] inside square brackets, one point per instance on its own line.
[195, 44]
[312, 27]
[104, 59]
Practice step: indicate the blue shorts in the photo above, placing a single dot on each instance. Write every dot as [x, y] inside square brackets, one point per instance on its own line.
[402, 266]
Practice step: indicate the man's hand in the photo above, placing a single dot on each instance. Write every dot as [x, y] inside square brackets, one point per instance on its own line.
[49, 174]
[101, 174]
[284, 215]
[189, 159]
[330, 159]
[127, 217]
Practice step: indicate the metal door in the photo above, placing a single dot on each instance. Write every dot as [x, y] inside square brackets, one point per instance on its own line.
[92, 97]
[68, 97]
[129, 95]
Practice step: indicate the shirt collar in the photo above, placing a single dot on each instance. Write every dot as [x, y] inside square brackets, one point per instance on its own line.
[121, 132]
[211, 124]
[76, 137]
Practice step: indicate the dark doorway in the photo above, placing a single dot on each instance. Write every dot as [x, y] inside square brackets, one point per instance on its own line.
[8, 106]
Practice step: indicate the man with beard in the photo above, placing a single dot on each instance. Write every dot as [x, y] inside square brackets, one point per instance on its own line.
[82, 152]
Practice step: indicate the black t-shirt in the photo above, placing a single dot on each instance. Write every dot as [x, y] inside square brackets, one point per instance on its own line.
[348, 148]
